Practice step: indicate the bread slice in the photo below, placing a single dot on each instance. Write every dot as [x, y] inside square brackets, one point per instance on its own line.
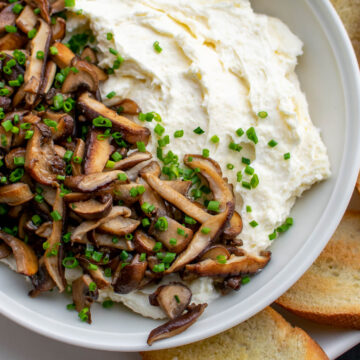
[329, 292]
[266, 336]
[349, 11]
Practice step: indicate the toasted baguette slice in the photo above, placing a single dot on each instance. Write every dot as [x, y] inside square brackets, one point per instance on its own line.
[266, 336]
[349, 11]
[329, 292]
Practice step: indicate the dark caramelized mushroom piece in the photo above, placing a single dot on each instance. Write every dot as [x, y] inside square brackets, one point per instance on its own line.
[97, 152]
[5, 251]
[63, 56]
[89, 55]
[236, 265]
[128, 107]
[92, 209]
[7, 17]
[83, 297]
[44, 230]
[11, 155]
[216, 252]
[41, 161]
[26, 260]
[12, 41]
[15, 194]
[91, 182]
[173, 299]
[144, 243]
[128, 277]
[96, 274]
[119, 226]
[131, 131]
[41, 281]
[177, 325]
[78, 157]
[49, 77]
[44, 7]
[132, 160]
[207, 234]
[122, 192]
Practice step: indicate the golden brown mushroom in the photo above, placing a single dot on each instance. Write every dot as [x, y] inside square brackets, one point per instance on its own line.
[15, 194]
[92, 209]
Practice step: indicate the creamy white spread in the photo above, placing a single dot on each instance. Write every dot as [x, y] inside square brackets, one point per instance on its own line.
[221, 64]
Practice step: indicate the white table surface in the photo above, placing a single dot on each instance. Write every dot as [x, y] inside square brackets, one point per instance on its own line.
[18, 343]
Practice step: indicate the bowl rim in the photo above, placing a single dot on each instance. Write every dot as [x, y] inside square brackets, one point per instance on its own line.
[340, 197]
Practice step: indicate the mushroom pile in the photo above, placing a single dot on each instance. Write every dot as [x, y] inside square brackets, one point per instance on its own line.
[79, 189]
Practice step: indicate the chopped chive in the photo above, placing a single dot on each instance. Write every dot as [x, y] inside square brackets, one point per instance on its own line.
[287, 156]
[272, 143]
[11, 29]
[199, 130]
[179, 133]
[159, 129]
[122, 177]
[240, 132]
[254, 182]
[159, 268]
[238, 176]
[56, 215]
[235, 147]
[157, 47]
[141, 146]
[17, 9]
[253, 224]
[145, 222]
[36, 219]
[262, 114]
[273, 235]
[32, 33]
[109, 36]
[68, 155]
[172, 241]
[111, 94]
[249, 170]
[246, 185]
[180, 231]
[213, 206]
[205, 230]
[230, 166]
[40, 55]
[7, 125]
[161, 224]
[206, 153]
[245, 280]
[215, 139]
[116, 156]
[221, 259]
[251, 134]
[246, 161]
[248, 209]
[157, 247]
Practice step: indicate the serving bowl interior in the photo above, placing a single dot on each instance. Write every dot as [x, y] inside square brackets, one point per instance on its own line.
[329, 75]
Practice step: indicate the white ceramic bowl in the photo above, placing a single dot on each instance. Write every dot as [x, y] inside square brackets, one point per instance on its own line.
[330, 77]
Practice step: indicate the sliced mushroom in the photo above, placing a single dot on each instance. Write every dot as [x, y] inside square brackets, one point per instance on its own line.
[49, 194]
[132, 160]
[85, 79]
[90, 225]
[122, 192]
[11, 155]
[63, 56]
[12, 41]
[52, 258]
[15, 211]
[128, 107]
[5, 251]
[144, 243]
[89, 55]
[91, 182]
[35, 69]
[92, 209]
[5, 103]
[173, 299]
[26, 260]
[236, 265]
[41, 161]
[152, 168]
[44, 7]
[206, 235]
[181, 186]
[7, 17]
[77, 196]
[128, 278]
[234, 228]
[64, 127]
[176, 326]
[41, 281]
[6, 137]
[131, 131]
[57, 6]
[97, 152]
[83, 297]
[15, 194]
[219, 186]
[97, 275]
[216, 251]
[79, 154]
[174, 231]
[49, 77]
[107, 240]
[44, 230]
[59, 29]
[175, 198]
[27, 20]
[119, 226]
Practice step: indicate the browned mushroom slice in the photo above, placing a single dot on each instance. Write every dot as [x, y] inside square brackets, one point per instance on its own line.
[5, 103]
[41, 281]
[15, 194]
[175, 198]
[128, 106]
[83, 297]
[176, 326]
[27, 20]
[89, 55]
[234, 228]
[15, 211]
[152, 198]
[5, 137]
[90, 225]
[44, 230]
[236, 265]
[144, 243]
[10, 157]
[36, 67]
[132, 160]
[152, 168]
[181, 186]
[91, 182]
[58, 29]
[49, 76]
[119, 226]
[60, 151]
[110, 241]
[207, 233]
[26, 260]
[12, 41]
[96, 274]
[63, 56]
[44, 7]
[92, 209]
[7, 17]
[77, 196]
[97, 152]
[175, 238]
[52, 253]
[173, 298]
[5, 251]
[85, 79]
[41, 161]
[216, 252]
[49, 194]
[131, 131]
[78, 157]
[122, 192]
[65, 125]
[128, 277]
[57, 6]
